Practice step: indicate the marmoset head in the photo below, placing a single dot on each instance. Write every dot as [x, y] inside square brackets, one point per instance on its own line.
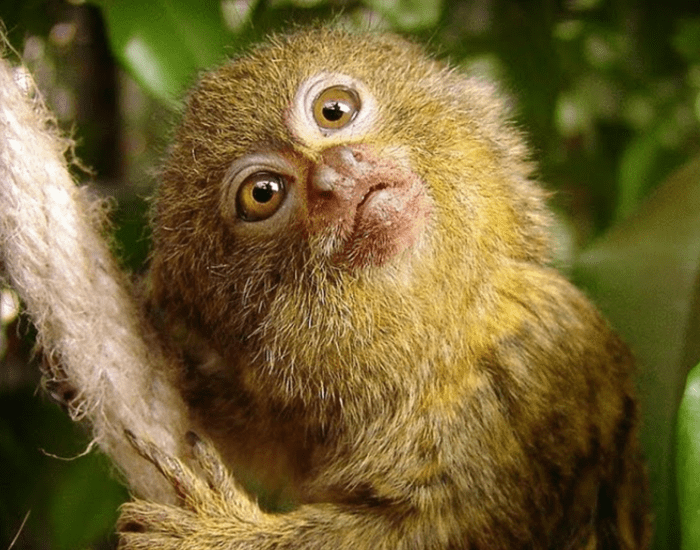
[329, 168]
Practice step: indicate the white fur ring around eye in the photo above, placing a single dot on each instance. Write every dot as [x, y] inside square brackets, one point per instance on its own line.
[303, 119]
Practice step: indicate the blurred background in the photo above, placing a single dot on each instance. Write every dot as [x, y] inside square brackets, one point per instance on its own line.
[608, 92]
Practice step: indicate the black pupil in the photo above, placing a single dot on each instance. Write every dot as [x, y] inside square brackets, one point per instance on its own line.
[264, 190]
[333, 111]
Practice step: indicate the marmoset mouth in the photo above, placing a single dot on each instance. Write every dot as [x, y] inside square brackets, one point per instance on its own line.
[374, 189]
[373, 207]
[388, 220]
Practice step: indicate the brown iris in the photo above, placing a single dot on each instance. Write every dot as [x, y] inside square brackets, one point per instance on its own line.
[259, 196]
[336, 107]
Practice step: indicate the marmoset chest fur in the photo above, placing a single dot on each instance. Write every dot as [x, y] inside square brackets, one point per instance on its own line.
[351, 236]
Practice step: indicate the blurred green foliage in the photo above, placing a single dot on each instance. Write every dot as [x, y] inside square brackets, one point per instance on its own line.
[71, 501]
[643, 273]
[609, 93]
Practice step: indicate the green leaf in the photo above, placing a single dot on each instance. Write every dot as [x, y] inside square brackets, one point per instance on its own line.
[636, 164]
[643, 160]
[85, 503]
[688, 462]
[409, 15]
[72, 503]
[644, 276]
[687, 39]
[163, 43]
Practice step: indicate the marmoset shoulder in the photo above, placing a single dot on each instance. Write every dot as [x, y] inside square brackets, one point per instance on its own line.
[355, 257]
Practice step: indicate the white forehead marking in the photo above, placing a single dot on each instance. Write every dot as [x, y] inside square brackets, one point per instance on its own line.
[301, 120]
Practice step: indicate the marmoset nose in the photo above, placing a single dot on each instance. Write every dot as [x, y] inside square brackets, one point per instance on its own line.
[339, 167]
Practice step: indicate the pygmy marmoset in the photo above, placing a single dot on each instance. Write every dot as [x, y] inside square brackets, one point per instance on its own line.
[352, 256]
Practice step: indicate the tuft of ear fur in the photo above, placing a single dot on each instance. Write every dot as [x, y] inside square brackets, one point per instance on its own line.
[101, 356]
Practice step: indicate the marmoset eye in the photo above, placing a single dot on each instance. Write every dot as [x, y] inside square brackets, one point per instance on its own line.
[260, 195]
[336, 107]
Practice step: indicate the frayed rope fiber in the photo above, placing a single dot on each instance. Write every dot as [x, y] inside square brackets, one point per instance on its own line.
[88, 321]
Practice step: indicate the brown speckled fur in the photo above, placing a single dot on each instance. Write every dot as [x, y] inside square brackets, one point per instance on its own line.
[462, 396]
